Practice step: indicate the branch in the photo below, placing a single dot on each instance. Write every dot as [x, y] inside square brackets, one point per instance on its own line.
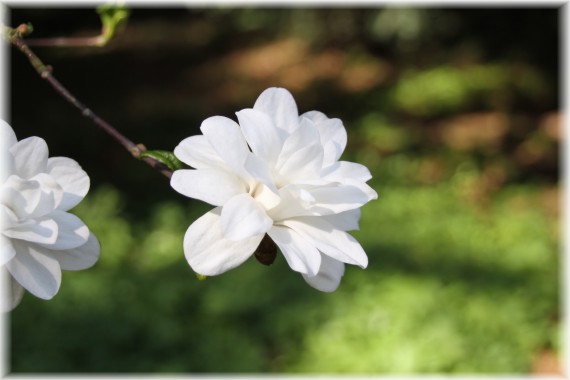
[113, 19]
[97, 41]
[14, 36]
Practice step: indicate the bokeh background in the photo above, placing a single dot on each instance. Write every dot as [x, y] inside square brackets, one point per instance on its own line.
[455, 112]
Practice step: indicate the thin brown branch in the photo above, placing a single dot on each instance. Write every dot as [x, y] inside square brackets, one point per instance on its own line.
[96, 41]
[14, 36]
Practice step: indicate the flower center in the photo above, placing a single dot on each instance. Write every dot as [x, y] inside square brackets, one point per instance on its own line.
[263, 195]
[255, 188]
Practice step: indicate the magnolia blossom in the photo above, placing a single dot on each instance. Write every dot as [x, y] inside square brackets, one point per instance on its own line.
[38, 236]
[274, 173]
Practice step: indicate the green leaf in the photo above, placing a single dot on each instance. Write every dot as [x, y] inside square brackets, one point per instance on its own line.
[114, 18]
[201, 277]
[165, 157]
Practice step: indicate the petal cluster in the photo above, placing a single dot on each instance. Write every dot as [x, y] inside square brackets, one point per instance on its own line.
[278, 173]
[38, 236]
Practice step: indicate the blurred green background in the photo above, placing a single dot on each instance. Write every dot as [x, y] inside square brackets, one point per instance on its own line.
[455, 112]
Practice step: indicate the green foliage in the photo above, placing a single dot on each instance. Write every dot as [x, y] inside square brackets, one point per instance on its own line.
[411, 324]
[450, 288]
[444, 89]
[113, 19]
[165, 157]
[384, 136]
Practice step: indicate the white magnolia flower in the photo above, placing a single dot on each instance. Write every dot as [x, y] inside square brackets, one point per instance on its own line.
[276, 173]
[38, 237]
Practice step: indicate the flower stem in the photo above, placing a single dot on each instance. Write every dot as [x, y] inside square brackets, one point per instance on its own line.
[14, 36]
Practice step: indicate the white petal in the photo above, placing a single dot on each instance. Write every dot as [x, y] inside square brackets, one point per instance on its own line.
[351, 174]
[242, 217]
[19, 195]
[299, 253]
[208, 252]
[16, 293]
[7, 250]
[71, 231]
[315, 116]
[333, 135]
[34, 231]
[72, 179]
[7, 139]
[279, 105]
[31, 198]
[7, 217]
[299, 139]
[6, 165]
[342, 170]
[329, 276]
[12, 292]
[82, 257]
[301, 157]
[261, 134]
[30, 156]
[36, 272]
[344, 221]
[369, 191]
[213, 186]
[336, 199]
[51, 195]
[259, 171]
[7, 135]
[264, 196]
[228, 141]
[304, 164]
[197, 152]
[332, 242]
[302, 200]
[295, 201]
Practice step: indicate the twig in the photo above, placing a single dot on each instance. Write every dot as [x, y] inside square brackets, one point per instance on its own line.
[113, 19]
[14, 36]
[67, 41]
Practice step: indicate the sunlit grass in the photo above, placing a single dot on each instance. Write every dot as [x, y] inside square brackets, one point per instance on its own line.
[450, 288]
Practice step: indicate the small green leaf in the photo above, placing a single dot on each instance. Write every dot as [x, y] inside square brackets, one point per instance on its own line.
[201, 277]
[165, 157]
[113, 17]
